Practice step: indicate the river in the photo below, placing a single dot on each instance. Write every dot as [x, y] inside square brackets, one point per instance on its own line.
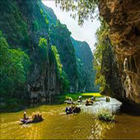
[57, 125]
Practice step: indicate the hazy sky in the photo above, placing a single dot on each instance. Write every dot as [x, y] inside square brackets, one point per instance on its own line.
[84, 33]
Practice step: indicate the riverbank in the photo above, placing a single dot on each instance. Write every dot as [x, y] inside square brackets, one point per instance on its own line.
[14, 105]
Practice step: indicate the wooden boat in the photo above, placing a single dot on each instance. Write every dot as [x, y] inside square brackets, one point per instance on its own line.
[69, 112]
[26, 121]
[68, 101]
[72, 110]
[76, 110]
[36, 117]
[79, 100]
[89, 102]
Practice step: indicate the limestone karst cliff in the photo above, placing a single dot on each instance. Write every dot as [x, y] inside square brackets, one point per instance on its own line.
[34, 29]
[123, 17]
[86, 72]
[23, 25]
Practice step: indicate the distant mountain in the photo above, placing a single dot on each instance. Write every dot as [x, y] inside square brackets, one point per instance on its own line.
[86, 72]
[84, 57]
[60, 37]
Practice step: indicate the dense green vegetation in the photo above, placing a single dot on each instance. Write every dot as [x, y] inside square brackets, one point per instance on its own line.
[36, 25]
[58, 62]
[61, 73]
[14, 66]
[31, 48]
[105, 115]
[42, 49]
[13, 22]
[101, 45]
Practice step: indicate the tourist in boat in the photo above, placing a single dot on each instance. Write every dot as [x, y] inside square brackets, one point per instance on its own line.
[70, 109]
[66, 110]
[24, 115]
[93, 98]
[80, 99]
[87, 102]
[25, 119]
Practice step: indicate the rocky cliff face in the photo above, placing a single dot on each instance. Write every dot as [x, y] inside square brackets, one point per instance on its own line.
[76, 56]
[110, 70]
[60, 37]
[23, 25]
[86, 73]
[123, 17]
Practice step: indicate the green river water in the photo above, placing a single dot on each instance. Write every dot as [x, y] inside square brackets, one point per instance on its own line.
[58, 125]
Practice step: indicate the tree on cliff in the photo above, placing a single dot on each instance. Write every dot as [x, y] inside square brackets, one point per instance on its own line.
[42, 49]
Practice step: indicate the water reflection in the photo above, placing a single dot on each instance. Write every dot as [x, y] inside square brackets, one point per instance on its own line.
[99, 129]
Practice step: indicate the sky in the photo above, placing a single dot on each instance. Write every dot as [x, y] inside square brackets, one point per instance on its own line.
[81, 33]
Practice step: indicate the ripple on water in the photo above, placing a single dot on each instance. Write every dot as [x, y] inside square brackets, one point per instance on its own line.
[57, 125]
